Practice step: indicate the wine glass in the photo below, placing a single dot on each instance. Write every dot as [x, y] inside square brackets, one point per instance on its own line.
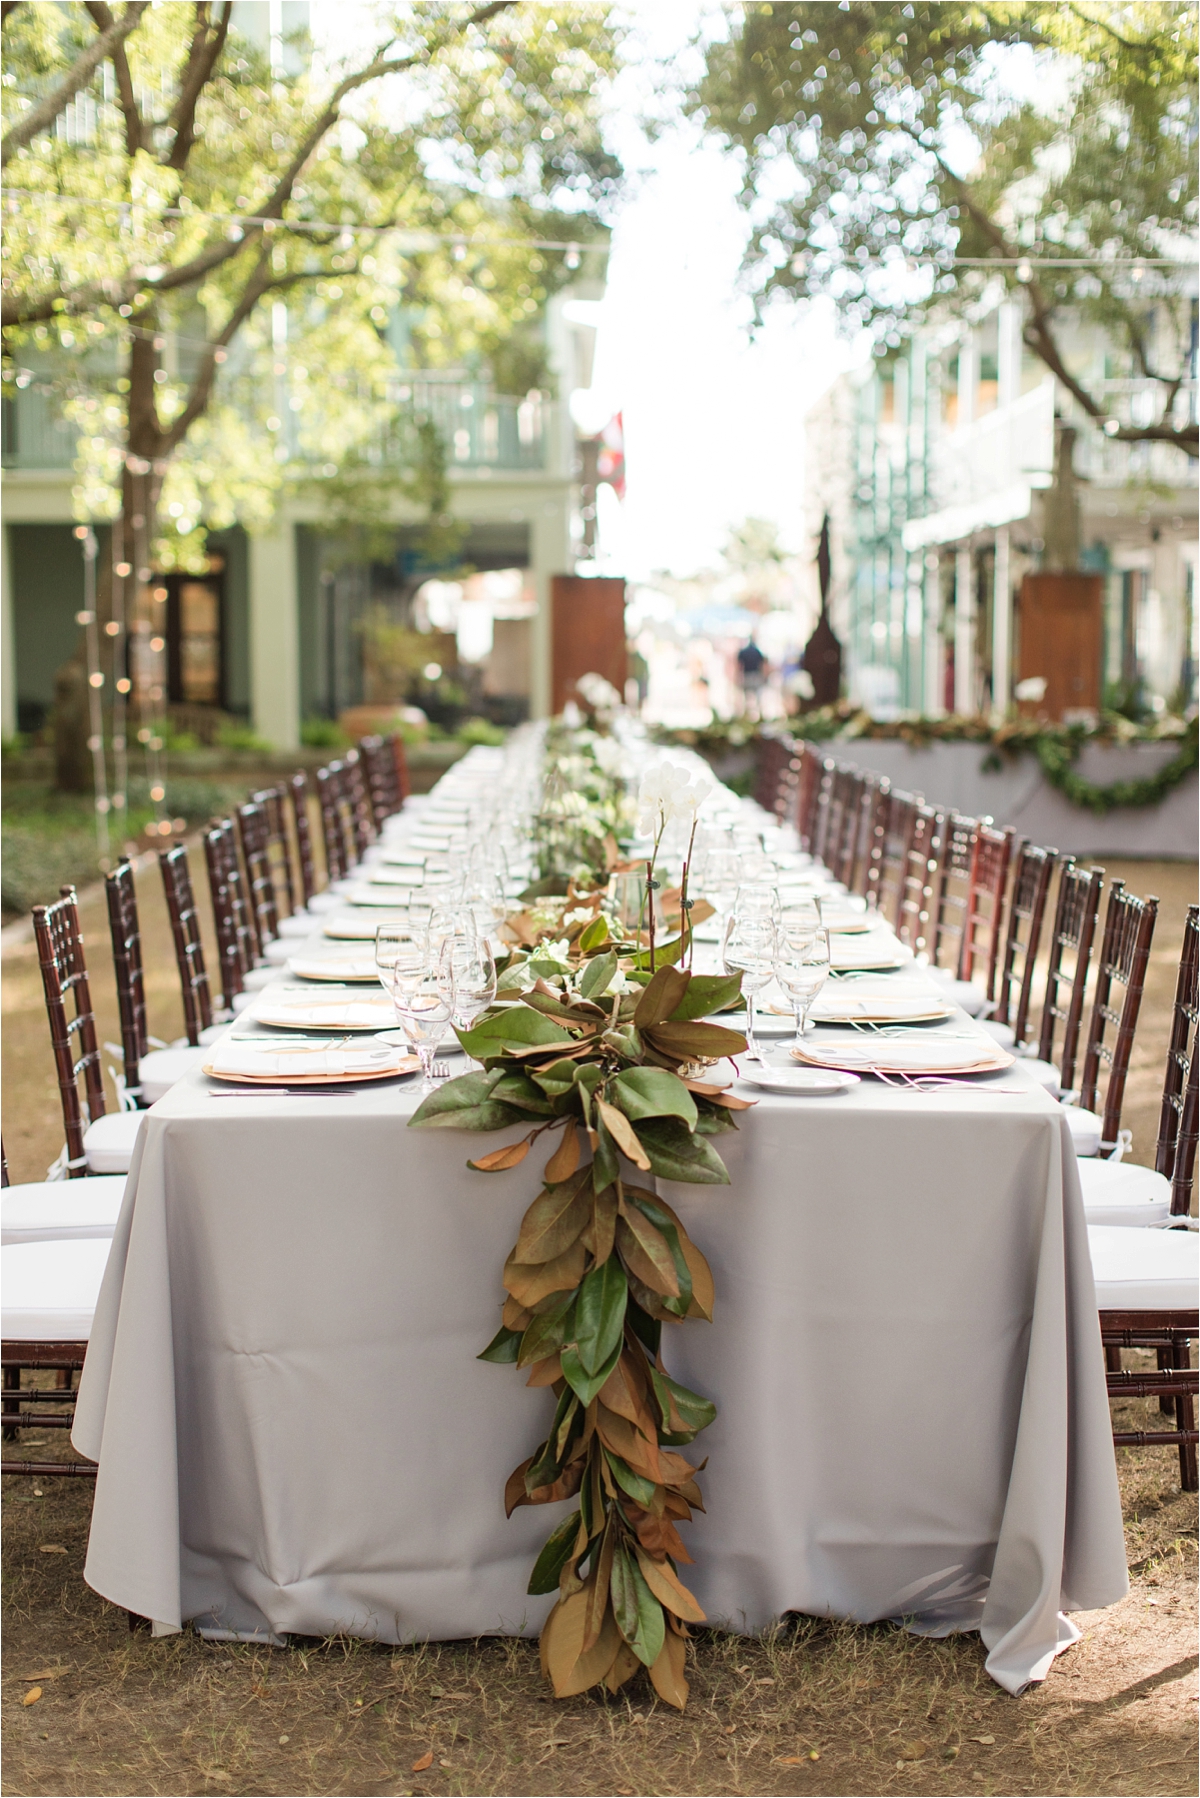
[801, 968]
[424, 999]
[468, 972]
[749, 950]
[402, 941]
[719, 881]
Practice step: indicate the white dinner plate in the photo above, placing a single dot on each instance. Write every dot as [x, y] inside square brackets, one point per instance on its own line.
[318, 1013]
[449, 1044]
[848, 1004]
[801, 1083]
[334, 967]
[347, 929]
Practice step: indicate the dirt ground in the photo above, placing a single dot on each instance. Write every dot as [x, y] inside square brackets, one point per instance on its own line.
[819, 1708]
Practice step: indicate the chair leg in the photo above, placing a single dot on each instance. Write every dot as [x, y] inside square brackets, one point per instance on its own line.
[1167, 1359]
[11, 1406]
[1112, 1360]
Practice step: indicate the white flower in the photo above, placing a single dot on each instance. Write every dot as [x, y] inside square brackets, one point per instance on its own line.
[669, 791]
[582, 915]
[600, 694]
[610, 757]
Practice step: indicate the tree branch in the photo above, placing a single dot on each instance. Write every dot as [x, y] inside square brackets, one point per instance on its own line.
[8, 6]
[208, 41]
[36, 120]
[135, 133]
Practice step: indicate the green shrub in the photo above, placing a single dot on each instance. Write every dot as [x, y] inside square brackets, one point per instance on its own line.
[240, 736]
[480, 730]
[323, 733]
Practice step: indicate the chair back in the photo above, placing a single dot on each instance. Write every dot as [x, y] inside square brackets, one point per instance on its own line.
[985, 904]
[383, 788]
[771, 755]
[254, 830]
[72, 1022]
[915, 911]
[1184, 1172]
[807, 793]
[400, 761]
[1180, 1077]
[956, 860]
[127, 966]
[362, 824]
[302, 826]
[329, 795]
[842, 831]
[895, 843]
[1032, 870]
[1075, 914]
[822, 804]
[189, 950]
[869, 837]
[236, 950]
[279, 848]
[1120, 980]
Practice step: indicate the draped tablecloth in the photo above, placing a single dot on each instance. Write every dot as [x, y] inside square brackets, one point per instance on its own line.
[294, 1434]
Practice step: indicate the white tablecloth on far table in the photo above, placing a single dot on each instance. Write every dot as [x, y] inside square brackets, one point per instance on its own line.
[294, 1434]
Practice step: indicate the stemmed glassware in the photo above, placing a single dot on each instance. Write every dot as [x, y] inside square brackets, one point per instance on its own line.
[468, 973]
[719, 880]
[801, 969]
[422, 995]
[749, 950]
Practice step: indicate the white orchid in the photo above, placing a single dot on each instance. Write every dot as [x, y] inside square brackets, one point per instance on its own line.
[669, 791]
[597, 692]
[610, 757]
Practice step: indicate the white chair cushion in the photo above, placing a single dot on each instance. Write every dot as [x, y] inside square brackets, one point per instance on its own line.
[960, 992]
[1145, 1270]
[53, 1210]
[277, 952]
[1121, 1193]
[999, 1033]
[50, 1289]
[1045, 1073]
[162, 1069]
[257, 978]
[108, 1143]
[211, 1033]
[240, 1002]
[299, 924]
[1087, 1129]
[324, 902]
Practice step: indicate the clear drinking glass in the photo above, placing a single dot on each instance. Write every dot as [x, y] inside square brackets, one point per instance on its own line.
[719, 881]
[749, 950]
[468, 971]
[801, 968]
[402, 941]
[424, 1001]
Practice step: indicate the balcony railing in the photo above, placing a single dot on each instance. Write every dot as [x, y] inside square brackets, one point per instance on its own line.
[479, 428]
[1108, 462]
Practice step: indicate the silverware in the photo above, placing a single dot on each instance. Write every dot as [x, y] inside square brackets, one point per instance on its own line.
[440, 1070]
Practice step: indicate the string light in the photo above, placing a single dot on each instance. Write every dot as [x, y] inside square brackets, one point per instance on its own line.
[95, 687]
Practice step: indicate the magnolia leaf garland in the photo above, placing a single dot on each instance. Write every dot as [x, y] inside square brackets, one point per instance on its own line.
[599, 1266]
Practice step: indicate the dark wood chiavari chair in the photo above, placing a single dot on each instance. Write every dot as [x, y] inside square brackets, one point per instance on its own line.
[73, 1038]
[400, 760]
[127, 965]
[1124, 955]
[916, 909]
[822, 809]
[302, 826]
[869, 838]
[844, 823]
[1175, 1150]
[254, 831]
[895, 843]
[332, 834]
[1032, 872]
[383, 789]
[985, 904]
[807, 793]
[1071, 938]
[189, 949]
[236, 949]
[956, 859]
[358, 801]
[279, 849]
[771, 753]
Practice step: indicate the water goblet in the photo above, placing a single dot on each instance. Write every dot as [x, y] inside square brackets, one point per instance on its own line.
[468, 972]
[749, 950]
[802, 968]
[402, 941]
[424, 1001]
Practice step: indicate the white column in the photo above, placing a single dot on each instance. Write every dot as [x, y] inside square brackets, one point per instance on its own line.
[275, 637]
[968, 380]
[964, 632]
[1008, 353]
[8, 647]
[1002, 626]
[933, 682]
[550, 554]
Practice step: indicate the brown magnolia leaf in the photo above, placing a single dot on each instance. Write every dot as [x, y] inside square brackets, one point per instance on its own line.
[32, 1696]
[514, 1488]
[499, 1159]
[565, 1159]
[514, 1316]
[619, 1435]
[544, 1373]
[731, 1102]
[425, 1761]
[597, 1589]
[554, 1220]
[623, 1134]
[667, 1588]
[624, 1667]
[529, 1284]
[703, 1289]
[604, 1224]
[44, 1673]
[660, 996]
[660, 1537]
[569, 1668]
[565, 1486]
[667, 1674]
[647, 1253]
[51, 1548]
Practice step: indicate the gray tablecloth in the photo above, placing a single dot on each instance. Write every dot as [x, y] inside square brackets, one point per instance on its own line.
[294, 1434]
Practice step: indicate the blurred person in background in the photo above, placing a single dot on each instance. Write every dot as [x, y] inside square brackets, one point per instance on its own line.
[752, 671]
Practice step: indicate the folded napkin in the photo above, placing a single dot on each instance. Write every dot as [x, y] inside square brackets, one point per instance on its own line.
[344, 1014]
[915, 1056]
[243, 1058]
[403, 858]
[387, 874]
[334, 967]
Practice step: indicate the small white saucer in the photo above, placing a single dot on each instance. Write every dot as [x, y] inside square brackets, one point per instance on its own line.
[449, 1044]
[800, 1083]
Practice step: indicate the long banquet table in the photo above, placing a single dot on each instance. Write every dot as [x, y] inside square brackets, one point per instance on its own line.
[294, 1434]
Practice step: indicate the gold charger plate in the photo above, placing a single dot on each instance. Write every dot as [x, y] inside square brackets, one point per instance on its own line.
[409, 1064]
[865, 1063]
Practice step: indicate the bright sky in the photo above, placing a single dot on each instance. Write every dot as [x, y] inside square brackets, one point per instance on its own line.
[713, 418]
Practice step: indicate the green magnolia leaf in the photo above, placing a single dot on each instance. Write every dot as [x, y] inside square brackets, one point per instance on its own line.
[640, 1490]
[707, 993]
[639, 1615]
[665, 954]
[554, 886]
[519, 1090]
[555, 1219]
[557, 1079]
[647, 1329]
[596, 933]
[606, 1166]
[544, 1469]
[548, 1331]
[697, 1412]
[675, 1154]
[466, 1104]
[514, 978]
[714, 1120]
[504, 1346]
[695, 1042]
[515, 1027]
[660, 997]
[556, 1552]
[652, 1093]
[600, 1313]
[583, 1384]
[598, 972]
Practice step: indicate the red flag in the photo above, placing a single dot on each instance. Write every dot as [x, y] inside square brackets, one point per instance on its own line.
[610, 464]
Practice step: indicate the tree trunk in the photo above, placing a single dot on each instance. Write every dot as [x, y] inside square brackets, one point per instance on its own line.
[72, 758]
[1060, 529]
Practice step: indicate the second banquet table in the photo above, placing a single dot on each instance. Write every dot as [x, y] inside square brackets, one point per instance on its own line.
[294, 1434]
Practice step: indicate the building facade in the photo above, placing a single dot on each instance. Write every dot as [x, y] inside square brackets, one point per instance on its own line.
[962, 465]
